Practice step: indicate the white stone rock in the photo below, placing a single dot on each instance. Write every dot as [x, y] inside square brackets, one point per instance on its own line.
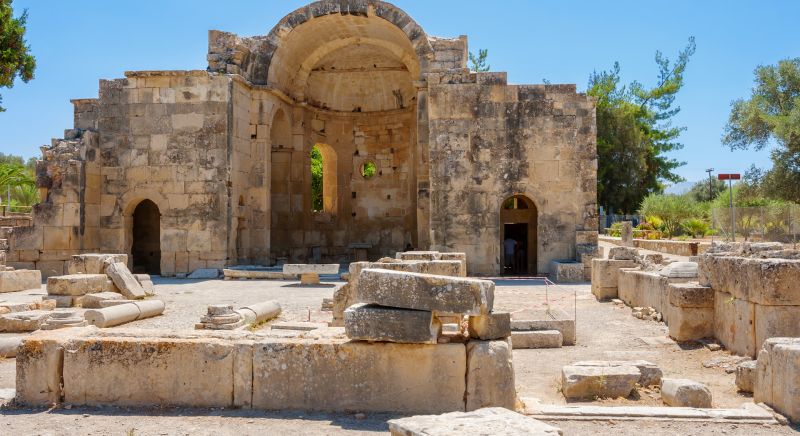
[588, 382]
[745, 375]
[487, 421]
[678, 392]
[125, 281]
[679, 270]
[536, 339]
[204, 273]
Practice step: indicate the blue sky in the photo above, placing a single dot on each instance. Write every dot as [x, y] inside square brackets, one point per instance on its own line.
[78, 42]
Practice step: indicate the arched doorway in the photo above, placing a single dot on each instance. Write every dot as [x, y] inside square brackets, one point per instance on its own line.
[518, 235]
[146, 248]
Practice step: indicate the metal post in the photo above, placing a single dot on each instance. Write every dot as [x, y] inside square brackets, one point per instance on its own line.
[733, 213]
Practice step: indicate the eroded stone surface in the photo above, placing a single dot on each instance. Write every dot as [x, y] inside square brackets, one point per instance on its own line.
[496, 325]
[125, 281]
[685, 393]
[537, 339]
[489, 421]
[490, 375]
[76, 284]
[586, 382]
[370, 322]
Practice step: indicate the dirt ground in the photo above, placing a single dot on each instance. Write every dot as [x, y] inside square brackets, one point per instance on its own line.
[605, 331]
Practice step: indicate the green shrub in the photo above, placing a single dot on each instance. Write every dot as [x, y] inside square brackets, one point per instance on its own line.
[672, 210]
[696, 227]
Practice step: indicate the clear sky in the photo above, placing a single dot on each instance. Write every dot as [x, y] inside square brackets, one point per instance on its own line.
[77, 42]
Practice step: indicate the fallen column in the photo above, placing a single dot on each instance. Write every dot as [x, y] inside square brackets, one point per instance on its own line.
[124, 313]
[370, 322]
[224, 317]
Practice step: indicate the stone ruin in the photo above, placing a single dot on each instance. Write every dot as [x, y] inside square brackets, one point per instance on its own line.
[391, 355]
[11, 279]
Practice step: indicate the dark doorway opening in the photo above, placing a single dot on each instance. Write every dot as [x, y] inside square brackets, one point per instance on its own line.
[515, 249]
[146, 248]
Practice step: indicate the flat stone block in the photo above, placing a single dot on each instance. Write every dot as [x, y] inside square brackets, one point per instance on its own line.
[256, 274]
[370, 377]
[536, 339]
[20, 280]
[565, 326]
[587, 382]
[496, 325]
[490, 375]
[203, 273]
[76, 284]
[745, 375]
[622, 253]
[39, 362]
[298, 325]
[425, 292]
[776, 322]
[419, 255]
[309, 279]
[18, 322]
[650, 372]
[370, 322]
[125, 281]
[566, 271]
[149, 372]
[691, 323]
[487, 421]
[680, 270]
[605, 276]
[326, 268]
[685, 393]
[92, 301]
[690, 295]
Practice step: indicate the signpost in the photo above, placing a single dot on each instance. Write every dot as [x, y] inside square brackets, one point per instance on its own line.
[730, 178]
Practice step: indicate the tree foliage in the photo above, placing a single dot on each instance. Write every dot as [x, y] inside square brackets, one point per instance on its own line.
[479, 62]
[707, 190]
[635, 132]
[672, 210]
[15, 58]
[771, 116]
[316, 179]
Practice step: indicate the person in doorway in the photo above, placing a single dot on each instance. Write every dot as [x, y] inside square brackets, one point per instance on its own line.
[519, 257]
[409, 247]
[509, 247]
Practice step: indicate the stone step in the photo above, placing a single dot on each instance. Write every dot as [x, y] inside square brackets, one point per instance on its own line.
[536, 339]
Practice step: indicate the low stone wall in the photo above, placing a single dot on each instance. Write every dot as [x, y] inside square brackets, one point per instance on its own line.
[605, 276]
[639, 288]
[678, 248]
[251, 370]
[754, 299]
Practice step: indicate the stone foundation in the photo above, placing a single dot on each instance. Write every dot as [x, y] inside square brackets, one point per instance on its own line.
[247, 370]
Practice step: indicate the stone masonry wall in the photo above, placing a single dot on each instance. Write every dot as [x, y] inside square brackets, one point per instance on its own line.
[489, 141]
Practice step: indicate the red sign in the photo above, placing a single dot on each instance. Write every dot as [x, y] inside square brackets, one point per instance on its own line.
[730, 176]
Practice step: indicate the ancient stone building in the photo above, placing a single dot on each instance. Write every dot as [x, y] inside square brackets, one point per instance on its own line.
[202, 169]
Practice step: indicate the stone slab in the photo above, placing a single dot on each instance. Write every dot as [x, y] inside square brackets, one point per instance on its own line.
[536, 339]
[775, 322]
[566, 271]
[745, 376]
[204, 273]
[623, 253]
[149, 372]
[76, 284]
[369, 377]
[691, 323]
[680, 270]
[92, 301]
[496, 325]
[690, 295]
[125, 281]
[748, 413]
[425, 292]
[256, 274]
[589, 382]
[20, 280]
[486, 421]
[650, 372]
[605, 276]
[300, 268]
[370, 322]
[18, 322]
[565, 326]
[298, 325]
[490, 375]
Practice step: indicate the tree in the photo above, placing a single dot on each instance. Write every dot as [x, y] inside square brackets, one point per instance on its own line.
[706, 190]
[635, 133]
[672, 210]
[771, 116]
[479, 62]
[15, 57]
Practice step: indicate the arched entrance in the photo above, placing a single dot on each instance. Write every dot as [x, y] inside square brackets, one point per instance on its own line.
[146, 232]
[518, 235]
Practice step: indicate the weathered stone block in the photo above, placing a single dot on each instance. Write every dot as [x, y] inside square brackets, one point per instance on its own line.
[536, 339]
[496, 325]
[587, 382]
[39, 361]
[650, 372]
[745, 375]
[685, 270]
[775, 322]
[566, 271]
[690, 295]
[20, 280]
[330, 268]
[490, 375]
[92, 301]
[561, 323]
[425, 292]
[370, 322]
[125, 281]
[76, 284]
[622, 253]
[605, 276]
[691, 323]
[381, 376]
[685, 393]
[146, 371]
[93, 263]
[493, 420]
[27, 321]
[734, 324]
